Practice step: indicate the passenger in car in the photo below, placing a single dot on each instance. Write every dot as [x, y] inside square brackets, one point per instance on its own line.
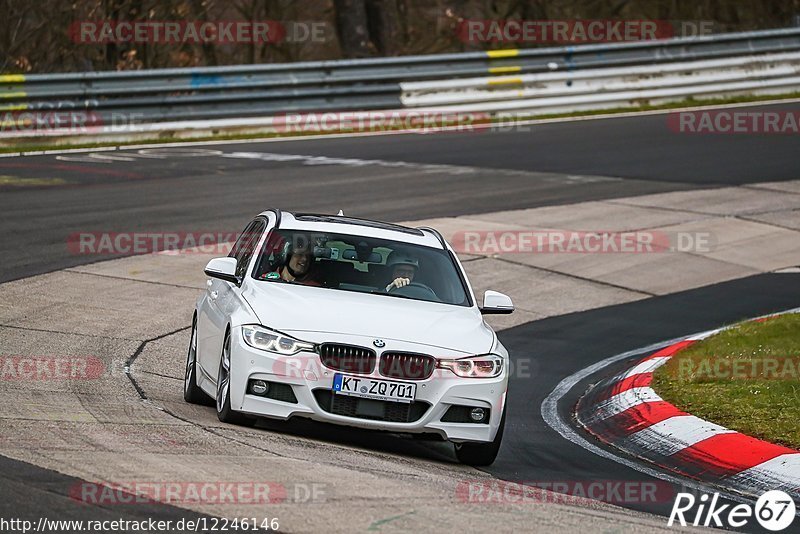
[300, 268]
[403, 268]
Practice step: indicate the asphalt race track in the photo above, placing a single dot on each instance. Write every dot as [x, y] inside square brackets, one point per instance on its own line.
[30, 493]
[563, 345]
[413, 177]
[641, 154]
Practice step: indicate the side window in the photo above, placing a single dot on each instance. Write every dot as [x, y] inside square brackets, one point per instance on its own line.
[240, 241]
[245, 246]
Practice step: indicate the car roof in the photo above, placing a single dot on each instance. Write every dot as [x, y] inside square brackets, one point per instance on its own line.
[343, 224]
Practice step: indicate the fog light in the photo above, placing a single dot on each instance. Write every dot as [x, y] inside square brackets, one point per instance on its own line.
[259, 387]
[477, 414]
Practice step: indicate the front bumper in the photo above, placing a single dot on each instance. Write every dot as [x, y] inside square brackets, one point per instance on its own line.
[306, 375]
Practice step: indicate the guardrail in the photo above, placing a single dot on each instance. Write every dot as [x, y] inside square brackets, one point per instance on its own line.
[542, 80]
[592, 88]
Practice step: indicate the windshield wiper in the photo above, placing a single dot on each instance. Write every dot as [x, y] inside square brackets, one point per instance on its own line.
[395, 295]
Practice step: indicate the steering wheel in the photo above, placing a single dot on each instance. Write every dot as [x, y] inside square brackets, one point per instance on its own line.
[416, 290]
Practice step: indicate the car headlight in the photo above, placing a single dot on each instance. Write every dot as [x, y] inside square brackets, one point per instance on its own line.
[484, 366]
[262, 338]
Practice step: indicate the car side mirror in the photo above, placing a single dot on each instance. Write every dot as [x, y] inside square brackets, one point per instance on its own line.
[222, 268]
[496, 303]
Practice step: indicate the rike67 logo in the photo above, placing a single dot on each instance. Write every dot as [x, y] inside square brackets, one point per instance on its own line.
[774, 510]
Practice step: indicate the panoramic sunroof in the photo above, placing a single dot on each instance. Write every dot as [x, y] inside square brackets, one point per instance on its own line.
[310, 217]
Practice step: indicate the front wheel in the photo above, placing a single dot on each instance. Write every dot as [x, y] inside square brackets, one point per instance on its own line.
[191, 391]
[224, 411]
[481, 454]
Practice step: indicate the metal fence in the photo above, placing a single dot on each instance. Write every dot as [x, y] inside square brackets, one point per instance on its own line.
[532, 80]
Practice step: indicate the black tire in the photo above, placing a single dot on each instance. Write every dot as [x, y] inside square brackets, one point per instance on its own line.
[481, 454]
[191, 391]
[223, 401]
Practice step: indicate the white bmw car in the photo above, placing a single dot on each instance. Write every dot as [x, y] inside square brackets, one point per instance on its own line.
[352, 322]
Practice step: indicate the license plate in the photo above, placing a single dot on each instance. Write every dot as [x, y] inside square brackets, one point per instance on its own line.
[367, 388]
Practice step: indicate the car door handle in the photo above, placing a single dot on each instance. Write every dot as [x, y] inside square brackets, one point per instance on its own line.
[214, 295]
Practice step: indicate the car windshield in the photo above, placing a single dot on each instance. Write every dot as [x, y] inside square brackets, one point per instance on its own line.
[362, 264]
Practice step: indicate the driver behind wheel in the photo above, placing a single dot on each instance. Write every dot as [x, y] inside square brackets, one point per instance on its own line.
[403, 268]
[299, 267]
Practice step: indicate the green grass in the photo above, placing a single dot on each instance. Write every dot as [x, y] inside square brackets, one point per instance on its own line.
[746, 378]
[42, 143]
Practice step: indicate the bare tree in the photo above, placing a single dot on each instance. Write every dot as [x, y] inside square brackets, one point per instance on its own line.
[352, 28]
[383, 17]
[35, 35]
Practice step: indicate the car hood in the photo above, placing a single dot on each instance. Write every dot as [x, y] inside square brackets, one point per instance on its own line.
[296, 309]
